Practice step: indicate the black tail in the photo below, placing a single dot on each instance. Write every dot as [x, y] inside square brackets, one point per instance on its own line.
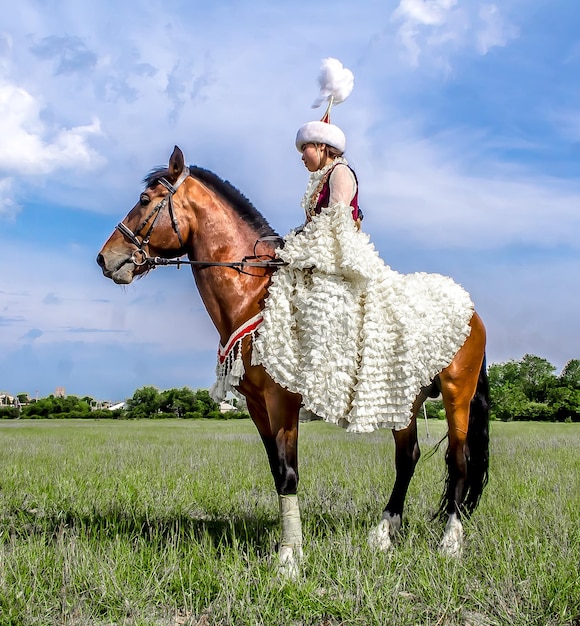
[477, 443]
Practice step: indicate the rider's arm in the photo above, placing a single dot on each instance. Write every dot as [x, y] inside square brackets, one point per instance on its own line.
[342, 185]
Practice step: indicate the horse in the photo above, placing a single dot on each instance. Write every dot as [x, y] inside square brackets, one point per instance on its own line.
[191, 211]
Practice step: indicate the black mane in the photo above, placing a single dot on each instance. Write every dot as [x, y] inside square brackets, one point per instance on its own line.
[243, 207]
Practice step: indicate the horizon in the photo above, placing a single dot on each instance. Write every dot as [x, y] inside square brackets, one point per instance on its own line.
[61, 391]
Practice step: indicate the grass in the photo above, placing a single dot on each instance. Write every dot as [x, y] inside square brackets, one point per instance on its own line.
[175, 522]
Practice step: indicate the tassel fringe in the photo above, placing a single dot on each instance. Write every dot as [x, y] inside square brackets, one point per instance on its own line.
[230, 364]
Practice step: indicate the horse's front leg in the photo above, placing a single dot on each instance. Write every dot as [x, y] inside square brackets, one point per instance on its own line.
[277, 421]
[407, 455]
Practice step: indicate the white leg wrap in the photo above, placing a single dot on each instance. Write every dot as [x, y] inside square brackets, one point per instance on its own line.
[290, 522]
[382, 536]
[291, 538]
[452, 542]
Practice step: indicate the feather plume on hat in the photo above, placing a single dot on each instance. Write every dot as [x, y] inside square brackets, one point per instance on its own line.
[336, 83]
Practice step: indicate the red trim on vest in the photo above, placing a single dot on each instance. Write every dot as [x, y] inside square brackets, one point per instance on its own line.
[324, 195]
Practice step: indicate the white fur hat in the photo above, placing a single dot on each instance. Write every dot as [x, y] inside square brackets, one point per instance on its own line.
[320, 132]
[336, 83]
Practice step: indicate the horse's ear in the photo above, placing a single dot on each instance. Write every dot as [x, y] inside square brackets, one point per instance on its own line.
[176, 163]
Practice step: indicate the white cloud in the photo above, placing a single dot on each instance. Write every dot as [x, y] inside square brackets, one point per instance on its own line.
[493, 30]
[439, 193]
[8, 206]
[5, 48]
[425, 12]
[81, 303]
[28, 145]
[501, 211]
[432, 30]
[116, 339]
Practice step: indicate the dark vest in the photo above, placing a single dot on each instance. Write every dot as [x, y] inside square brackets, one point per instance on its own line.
[324, 195]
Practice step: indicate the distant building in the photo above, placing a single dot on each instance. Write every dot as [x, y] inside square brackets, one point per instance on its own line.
[59, 392]
[226, 407]
[97, 405]
[106, 405]
[6, 400]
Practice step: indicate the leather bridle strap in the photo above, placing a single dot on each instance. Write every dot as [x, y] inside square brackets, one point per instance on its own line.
[172, 189]
[155, 213]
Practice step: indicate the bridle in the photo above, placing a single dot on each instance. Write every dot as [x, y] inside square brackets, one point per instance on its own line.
[141, 258]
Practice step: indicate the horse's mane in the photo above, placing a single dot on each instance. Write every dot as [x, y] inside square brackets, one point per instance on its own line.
[243, 207]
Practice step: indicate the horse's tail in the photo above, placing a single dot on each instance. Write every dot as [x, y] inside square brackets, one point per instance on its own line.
[477, 445]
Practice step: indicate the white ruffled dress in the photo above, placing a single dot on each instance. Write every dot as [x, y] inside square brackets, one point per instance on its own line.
[355, 338]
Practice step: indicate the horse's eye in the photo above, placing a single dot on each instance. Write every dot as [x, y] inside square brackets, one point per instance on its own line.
[144, 199]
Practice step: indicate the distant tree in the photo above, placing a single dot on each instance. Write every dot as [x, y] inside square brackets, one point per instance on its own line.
[565, 403]
[564, 396]
[205, 404]
[536, 376]
[529, 390]
[501, 374]
[508, 401]
[435, 409]
[9, 412]
[52, 406]
[143, 404]
[177, 402]
[570, 375]
[40, 408]
[148, 402]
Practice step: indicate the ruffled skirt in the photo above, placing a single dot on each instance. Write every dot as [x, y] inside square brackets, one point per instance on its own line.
[355, 338]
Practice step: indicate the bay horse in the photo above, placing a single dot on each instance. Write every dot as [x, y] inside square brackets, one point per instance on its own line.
[191, 211]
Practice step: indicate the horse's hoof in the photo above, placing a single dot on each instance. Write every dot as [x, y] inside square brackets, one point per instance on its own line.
[452, 543]
[289, 563]
[382, 537]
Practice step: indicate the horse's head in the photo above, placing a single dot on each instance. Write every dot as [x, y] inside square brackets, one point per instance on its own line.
[152, 227]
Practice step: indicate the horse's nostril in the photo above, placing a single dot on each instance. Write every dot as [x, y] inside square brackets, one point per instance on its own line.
[100, 260]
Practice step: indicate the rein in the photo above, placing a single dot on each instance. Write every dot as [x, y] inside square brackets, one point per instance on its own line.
[140, 256]
[262, 262]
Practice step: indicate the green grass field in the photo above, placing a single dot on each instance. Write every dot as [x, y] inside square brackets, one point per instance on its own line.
[175, 522]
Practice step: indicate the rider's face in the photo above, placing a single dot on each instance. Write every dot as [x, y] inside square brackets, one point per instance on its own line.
[312, 156]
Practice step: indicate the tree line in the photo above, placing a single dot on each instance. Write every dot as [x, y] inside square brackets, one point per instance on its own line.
[528, 389]
[146, 403]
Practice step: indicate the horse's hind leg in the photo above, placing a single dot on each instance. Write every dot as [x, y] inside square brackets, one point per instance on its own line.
[459, 383]
[407, 455]
[458, 417]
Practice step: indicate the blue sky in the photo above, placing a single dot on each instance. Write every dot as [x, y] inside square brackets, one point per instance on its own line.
[463, 126]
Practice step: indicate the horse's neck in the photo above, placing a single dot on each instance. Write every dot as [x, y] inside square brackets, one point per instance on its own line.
[230, 297]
